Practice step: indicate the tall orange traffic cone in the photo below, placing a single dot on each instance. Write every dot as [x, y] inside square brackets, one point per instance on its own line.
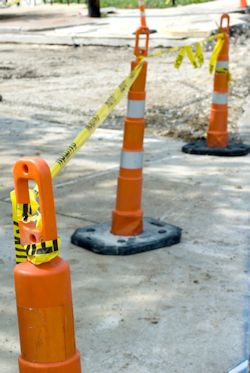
[217, 135]
[142, 13]
[141, 5]
[43, 292]
[128, 216]
[130, 233]
[243, 4]
[217, 142]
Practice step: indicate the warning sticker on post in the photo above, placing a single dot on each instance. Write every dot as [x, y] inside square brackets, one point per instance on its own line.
[43, 252]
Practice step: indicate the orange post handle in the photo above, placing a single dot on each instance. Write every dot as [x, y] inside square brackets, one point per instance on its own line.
[35, 169]
[225, 18]
[43, 292]
[138, 50]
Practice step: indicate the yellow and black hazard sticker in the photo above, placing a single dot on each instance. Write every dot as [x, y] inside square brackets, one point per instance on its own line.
[42, 252]
[20, 251]
[24, 212]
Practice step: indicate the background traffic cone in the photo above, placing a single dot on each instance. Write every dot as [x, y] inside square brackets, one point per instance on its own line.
[243, 4]
[217, 142]
[142, 13]
[141, 5]
[43, 292]
[130, 232]
[244, 8]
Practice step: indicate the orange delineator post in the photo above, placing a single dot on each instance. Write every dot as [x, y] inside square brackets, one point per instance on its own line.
[217, 142]
[143, 22]
[43, 292]
[243, 4]
[130, 232]
[217, 136]
[127, 217]
[142, 13]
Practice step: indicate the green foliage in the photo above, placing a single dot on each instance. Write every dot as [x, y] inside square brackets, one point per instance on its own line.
[133, 3]
[66, 1]
[148, 3]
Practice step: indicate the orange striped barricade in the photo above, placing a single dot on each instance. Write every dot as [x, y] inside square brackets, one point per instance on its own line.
[130, 232]
[217, 142]
[42, 284]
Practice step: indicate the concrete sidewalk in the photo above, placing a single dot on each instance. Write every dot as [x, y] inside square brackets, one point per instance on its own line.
[176, 309]
[61, 24]
[182, 309]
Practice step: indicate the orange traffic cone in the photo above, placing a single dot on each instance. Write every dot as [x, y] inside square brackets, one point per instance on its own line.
[128, 216]
[130, 232]
[243, 4]
[217, 136]
[143, 18]
[43, 292]
[142, 13]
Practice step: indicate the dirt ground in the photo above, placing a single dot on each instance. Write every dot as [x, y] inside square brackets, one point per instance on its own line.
[68, 85]
[176, 310]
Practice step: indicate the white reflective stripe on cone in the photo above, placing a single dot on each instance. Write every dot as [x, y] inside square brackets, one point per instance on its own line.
[142, 14]
[242, 368]
[222, 64]
[131, 160]
[220, 98]
[136, 108]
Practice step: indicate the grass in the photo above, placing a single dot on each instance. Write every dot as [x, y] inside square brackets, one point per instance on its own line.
[134, 3]
[148, 3]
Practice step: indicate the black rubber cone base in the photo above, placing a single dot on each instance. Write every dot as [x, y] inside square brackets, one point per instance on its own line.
[242, 11]
[100, 240]
[150, 31]
[200, 147]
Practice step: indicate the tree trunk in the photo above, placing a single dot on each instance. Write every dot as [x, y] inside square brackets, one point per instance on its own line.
[94, 8]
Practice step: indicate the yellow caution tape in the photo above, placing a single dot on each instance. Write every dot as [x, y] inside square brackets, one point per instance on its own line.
[20, 251]
[191, 56]
[223, 70]
[196, 59]
[24, 212]
[180, 58]
[199, 54]
[96, 120]
[42, 252]
[215, 54]
[121, 90]
[29, 212]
